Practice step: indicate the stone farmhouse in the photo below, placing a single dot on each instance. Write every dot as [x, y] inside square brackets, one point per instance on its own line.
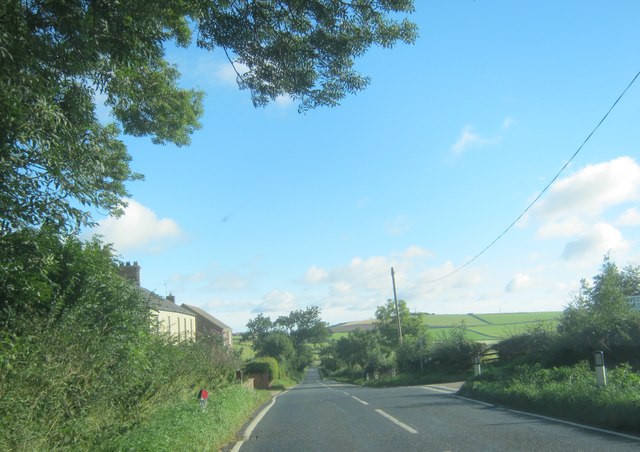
[208, 324]
[184, 322]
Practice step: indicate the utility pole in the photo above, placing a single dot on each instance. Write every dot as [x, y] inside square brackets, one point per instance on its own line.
[395, 299]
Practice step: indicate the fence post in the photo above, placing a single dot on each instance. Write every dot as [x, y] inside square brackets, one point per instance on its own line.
[477, 365]
[601, 370]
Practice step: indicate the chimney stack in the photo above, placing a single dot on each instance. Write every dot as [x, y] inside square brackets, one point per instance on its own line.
[131, 272]
[171, 298]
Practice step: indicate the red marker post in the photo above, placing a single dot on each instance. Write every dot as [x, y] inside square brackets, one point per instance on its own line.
[203, 395]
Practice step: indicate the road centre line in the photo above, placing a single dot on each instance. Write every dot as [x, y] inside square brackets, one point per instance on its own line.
[359, 400]
[397, 422]
[382, 413]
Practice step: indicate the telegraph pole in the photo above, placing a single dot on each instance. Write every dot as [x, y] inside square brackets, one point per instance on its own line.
[395, 299]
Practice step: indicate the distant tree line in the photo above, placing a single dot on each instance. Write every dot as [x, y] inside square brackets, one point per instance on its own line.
[288, 339]
[599, 318]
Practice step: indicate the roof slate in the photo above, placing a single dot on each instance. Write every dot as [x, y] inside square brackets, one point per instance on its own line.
[158, 303]
[196, 310]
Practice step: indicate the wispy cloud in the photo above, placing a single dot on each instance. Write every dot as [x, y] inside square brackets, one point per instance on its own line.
[469, 139]
[277, 301]
[507, 123]
[398, 226]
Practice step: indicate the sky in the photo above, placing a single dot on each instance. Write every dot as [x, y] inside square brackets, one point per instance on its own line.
[269, 211]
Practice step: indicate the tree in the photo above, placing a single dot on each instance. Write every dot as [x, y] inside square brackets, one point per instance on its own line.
[258, 329]
[58, 162]
[42, 277]
[364, 350]
[387, 323]
[600, 316]
[304, 326]
[455, 351]
[277, 345]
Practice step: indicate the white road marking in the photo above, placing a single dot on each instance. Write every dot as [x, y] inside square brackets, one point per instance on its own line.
[249, 430]
[361, 401]
[397, 422]
[442, 389]
[474, 401]
[553, 419]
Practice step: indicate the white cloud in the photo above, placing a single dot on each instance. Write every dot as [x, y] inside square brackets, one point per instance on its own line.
[519, 282]
[277, 301]
[468, 139]
[209, 71]
[139, 229]
[567, 227]
[315, 275]
[284, 101]
[592, 190]
[415, 252]
[596, 242]
[631, 217]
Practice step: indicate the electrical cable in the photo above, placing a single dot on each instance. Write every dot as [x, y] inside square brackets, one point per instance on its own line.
[466, 264]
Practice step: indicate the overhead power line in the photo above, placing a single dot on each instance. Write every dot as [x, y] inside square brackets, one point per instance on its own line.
[524, 212]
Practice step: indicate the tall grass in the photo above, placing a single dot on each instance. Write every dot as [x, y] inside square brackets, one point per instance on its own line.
[182, 425]
[565, 392]
[64, 393]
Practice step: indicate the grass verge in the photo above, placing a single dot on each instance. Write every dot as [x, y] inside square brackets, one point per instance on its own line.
[570, 393]
[403, 379]
[182, 425]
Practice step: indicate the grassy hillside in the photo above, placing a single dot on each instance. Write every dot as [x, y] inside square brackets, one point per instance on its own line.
[481, 327]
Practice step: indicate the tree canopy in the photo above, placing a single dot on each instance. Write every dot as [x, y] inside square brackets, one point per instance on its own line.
[387, 321]
[57, 160]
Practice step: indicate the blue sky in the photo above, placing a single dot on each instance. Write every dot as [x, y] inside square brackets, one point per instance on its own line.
[269, 210]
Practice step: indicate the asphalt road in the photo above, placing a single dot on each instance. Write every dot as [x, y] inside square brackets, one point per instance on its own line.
[322, 415]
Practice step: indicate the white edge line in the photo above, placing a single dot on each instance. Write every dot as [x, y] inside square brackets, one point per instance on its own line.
[553, 419]
[359, 400]
[397, 422]
[479, 402]
[254, 423]
[442, 389]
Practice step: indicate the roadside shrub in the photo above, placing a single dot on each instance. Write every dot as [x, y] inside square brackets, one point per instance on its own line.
[531, 347]
[413, 353]
[277, 345]
[569, 392]
[84, 365]
[263, 365]
[455, 352]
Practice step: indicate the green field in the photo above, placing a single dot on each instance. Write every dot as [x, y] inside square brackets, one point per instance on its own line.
[246, 351]
[480, 327]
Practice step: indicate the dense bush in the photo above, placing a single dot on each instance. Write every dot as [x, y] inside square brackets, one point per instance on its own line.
[278, 345]
[412, 355]
[600, 318]
[263, 365]
[566, 392]
[533, 346]
[79, 362]
[455, 351]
